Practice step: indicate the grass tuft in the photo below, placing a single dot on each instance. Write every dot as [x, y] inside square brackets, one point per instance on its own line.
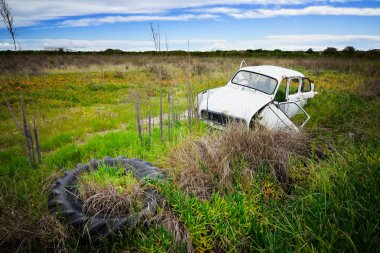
[110, 191]
[225, 160]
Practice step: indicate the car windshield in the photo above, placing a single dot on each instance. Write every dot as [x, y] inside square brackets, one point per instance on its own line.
[255, 81]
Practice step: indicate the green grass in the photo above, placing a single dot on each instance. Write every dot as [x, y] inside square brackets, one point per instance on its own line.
[334, 209]
[105, 176]
[332, 205]
[119, 191]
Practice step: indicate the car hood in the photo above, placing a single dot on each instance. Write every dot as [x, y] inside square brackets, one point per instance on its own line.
[236, 101]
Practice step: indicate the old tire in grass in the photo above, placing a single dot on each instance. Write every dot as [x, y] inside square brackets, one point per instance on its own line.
[64, 199]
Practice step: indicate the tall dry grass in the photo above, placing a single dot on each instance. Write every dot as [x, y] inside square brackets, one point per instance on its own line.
[111, 192]
[111, 202]
[36, 63]
[24, 233]
[173, 224]
[216, 162]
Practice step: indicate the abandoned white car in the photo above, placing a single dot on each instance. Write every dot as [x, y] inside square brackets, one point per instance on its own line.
[270, 96]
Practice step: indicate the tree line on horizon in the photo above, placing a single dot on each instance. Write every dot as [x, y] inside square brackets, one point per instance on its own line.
[348, 51]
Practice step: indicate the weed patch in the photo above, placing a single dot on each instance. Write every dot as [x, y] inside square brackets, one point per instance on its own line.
[110, 191]
[224, 161]
[231, 192]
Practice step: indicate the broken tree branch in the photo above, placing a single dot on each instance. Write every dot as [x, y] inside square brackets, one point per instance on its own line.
[169, 115]
[138, 118]
[161, 117]
[11, 112]
[27, 134]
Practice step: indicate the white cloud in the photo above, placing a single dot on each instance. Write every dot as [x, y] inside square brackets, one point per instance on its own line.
[283, 42]
[6, 46]
[92, 45]
[135, 18]
[127, 45]
[217, 10]
[323, 38]
[31, 12]
[315, 41]
[311, 10]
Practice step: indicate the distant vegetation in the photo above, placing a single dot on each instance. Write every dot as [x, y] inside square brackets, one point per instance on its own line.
[348, 51]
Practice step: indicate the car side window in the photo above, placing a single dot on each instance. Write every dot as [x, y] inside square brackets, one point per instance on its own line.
[293, 86]
[306, 85]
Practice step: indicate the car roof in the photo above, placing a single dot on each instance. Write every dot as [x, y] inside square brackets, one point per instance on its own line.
[273, 71]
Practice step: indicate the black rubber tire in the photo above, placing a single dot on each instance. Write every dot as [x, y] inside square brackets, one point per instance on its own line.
[63, 198]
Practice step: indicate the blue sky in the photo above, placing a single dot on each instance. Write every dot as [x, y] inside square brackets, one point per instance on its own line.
[206, 24]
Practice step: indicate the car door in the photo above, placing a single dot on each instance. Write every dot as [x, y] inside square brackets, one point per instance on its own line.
[283, 116]
[273, 118]
[293, 85]
[299, 118]
[306, 91]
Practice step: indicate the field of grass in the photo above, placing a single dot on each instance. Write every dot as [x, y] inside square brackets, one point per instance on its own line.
[85, 109]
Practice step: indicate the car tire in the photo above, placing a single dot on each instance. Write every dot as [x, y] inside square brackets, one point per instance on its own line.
[64, 199]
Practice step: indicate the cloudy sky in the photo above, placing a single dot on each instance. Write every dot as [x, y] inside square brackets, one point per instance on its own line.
[205, 24]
